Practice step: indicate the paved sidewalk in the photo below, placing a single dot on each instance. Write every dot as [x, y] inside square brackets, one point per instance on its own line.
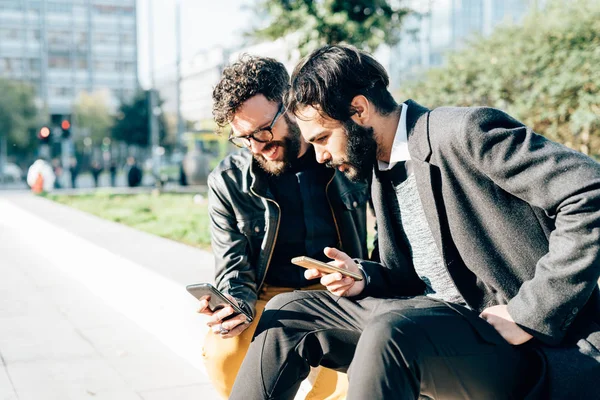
[91, 309]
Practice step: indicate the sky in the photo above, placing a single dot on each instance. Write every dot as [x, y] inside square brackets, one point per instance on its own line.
[204, 24]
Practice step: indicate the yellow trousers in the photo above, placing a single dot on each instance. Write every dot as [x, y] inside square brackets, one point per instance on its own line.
[223, 357]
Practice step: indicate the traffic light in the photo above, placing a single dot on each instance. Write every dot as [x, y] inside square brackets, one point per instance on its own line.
[44, 134]
[65, 125]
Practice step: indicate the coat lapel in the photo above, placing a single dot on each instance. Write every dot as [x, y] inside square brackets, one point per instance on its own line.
[419, 147]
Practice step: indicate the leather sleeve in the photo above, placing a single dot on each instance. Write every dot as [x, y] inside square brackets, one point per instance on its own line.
[233, 272]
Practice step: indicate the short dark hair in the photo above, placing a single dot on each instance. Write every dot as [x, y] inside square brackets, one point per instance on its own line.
[331, 76]
[247, 77]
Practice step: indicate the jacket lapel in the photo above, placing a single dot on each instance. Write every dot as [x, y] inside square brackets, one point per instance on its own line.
[428, 184]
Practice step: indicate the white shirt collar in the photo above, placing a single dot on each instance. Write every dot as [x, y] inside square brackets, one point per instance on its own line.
[400, 144]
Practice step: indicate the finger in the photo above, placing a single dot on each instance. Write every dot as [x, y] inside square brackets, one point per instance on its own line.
[218, 329]
[336, 254]
[331, 279]
[233, 322]
[203, 304]
[343, 283]
[312, 274]
[205, 311]
[224, 312]
[341, 291]
[219, 315]
[236, 331]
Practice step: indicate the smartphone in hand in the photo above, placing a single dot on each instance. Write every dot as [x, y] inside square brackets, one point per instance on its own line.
[217, 299]
[309, 263]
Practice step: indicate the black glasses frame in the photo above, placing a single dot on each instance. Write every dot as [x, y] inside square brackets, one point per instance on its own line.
[267, 132]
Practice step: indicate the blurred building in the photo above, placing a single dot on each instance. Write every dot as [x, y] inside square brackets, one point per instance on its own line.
[438, 26]
[63, 47]
[200, 75]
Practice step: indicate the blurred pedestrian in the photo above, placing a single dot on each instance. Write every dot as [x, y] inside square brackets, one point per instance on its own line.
[58, 172]
[96, 170]
[40, 176]
[134, 172]
[182, 176]
[112, 169]
[74, 171]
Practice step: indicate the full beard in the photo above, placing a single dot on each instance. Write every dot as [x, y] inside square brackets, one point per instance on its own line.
[361, 153]
[291, 148]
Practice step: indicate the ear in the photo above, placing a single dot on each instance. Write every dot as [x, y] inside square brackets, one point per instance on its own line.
[363, 109]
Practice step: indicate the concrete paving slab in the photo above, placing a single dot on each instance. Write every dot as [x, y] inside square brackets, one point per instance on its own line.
[90, 374]
[66, 326]
[177, 393]
[7, 391]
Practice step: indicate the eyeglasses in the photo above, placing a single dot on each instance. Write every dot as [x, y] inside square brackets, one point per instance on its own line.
[262, 135]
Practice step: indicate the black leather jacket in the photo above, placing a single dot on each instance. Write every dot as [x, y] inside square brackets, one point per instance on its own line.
[245, 221]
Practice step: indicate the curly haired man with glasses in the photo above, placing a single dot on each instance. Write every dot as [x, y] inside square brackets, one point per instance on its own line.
[269, 202]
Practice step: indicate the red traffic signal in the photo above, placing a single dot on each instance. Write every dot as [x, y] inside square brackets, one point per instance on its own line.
[65, 125]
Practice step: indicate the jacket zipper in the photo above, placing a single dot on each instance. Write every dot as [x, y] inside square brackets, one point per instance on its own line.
[337, 229]
[274, 239]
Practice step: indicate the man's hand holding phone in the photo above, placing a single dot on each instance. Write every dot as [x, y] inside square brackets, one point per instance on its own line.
[226, 329]
[335, 282]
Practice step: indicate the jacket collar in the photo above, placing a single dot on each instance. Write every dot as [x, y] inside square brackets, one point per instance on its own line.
[256, 179]
[417, 118]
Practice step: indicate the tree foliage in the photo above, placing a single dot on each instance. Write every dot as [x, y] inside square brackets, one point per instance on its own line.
[19, 118]
[91, 113]
[545, 72]
[363, 23]
[131, 125]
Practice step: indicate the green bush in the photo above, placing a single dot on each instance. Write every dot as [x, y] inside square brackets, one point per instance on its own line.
[545, 72]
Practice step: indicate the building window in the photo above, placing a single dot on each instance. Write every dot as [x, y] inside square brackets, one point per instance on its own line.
[10, 5]
[59, 62]
[59, 38]
[60, 91]
[9, 34]
[34, 65]
[82, 63]
[127, 66]
[60, 7]
[105, 66]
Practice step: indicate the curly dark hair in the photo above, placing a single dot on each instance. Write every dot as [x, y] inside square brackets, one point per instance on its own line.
[247, 77]
[331, 76]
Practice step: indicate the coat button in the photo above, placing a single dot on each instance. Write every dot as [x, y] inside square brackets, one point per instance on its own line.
[354, 204]
[575, 311]
[256, 229]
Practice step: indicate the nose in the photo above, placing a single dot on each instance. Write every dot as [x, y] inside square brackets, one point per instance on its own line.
[322, 155]
[255, 146]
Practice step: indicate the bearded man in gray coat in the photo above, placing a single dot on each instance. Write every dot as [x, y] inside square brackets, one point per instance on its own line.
[489, 241]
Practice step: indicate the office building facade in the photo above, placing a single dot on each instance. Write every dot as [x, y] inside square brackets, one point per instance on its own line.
[65, 47]
[439, 26]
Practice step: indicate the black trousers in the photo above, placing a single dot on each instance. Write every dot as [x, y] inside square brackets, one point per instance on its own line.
[391, 349]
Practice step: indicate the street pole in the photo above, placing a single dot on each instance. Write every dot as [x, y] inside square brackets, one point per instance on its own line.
[180, 128]
[153, 134]
[154, 112]
[3, 155]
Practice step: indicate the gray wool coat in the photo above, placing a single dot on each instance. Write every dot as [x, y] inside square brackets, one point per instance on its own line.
[517, 220]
